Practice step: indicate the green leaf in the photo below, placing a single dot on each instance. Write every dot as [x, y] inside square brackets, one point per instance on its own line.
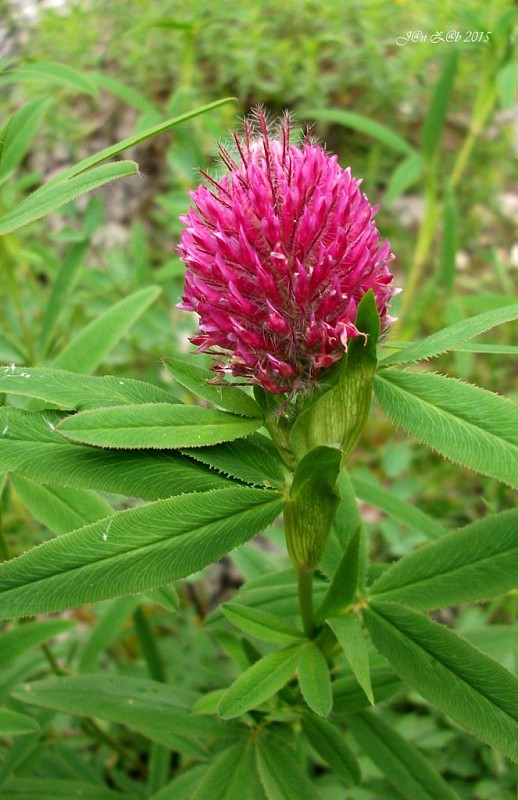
[70, 391]
[17, 641]
[404, 177]
[155, 425]
[345, 524]
[474, 563]
[30, 446]
[498, 641]
[88, 349]
[183, 785]
[342, 588]
[60, 509]
[349, 697]
[453, 337]
[468, 425]
[134, 551]
[449, 244]
[106, 629]
[282, 775]
[349, 633]
[278, 598]
[128, 94]
[475, 691]
[131, 141]
[254, 460]
[51, 197]
[59, 298]
[362, 124]
[208, 703]
[314, 680]
[51, 72]
[53, 789]
[411, 774]
[18, 133]
[196, 380]
[396, 508]
[144, 705]
[14, 724]
[261, 624]
[260, 682]
[436, 116]
[228, 775]
[507, 84]
[330, 744]
[500, 349]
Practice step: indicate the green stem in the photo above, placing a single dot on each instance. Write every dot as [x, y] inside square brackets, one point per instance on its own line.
[305, 579]
[485, 105]
[149, 646]
[5, 550]
[425, 238]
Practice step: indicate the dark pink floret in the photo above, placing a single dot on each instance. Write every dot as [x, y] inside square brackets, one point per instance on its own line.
[279, 252]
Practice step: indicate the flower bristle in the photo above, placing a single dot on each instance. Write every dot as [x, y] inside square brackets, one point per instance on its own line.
[279, 252]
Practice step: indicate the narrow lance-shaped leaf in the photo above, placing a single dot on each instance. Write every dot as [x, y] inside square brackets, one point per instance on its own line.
[349, 697]
[330, 744]
[228, 773]
[14, 724]
[406, 175]
[474, 563]
[152, 708]
[252, 460]
[468, 425]
[349, 633]
[346, 523]
[54, 788]
[436, 116]
[30, 446]
[375, 495]
[344, 584]
[134, 551]
[18, 640]
[18, 133]
[59, 299]
[281, 773]
[453, 337]
[229, 398]
[60, 509]
[262, 624]
[155, 425]
[260, 682]
[88, 349]
[131, 141]
[49, 198]
[411, 774]
[107, 627]
[475, 691]
[72, 391]
[358, 122]
[51, 72]
[314, 680]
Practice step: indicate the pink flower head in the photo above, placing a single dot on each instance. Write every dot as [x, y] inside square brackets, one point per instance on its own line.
[279, 252]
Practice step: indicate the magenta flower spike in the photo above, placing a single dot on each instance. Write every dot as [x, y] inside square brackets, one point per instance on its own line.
[279, 252]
